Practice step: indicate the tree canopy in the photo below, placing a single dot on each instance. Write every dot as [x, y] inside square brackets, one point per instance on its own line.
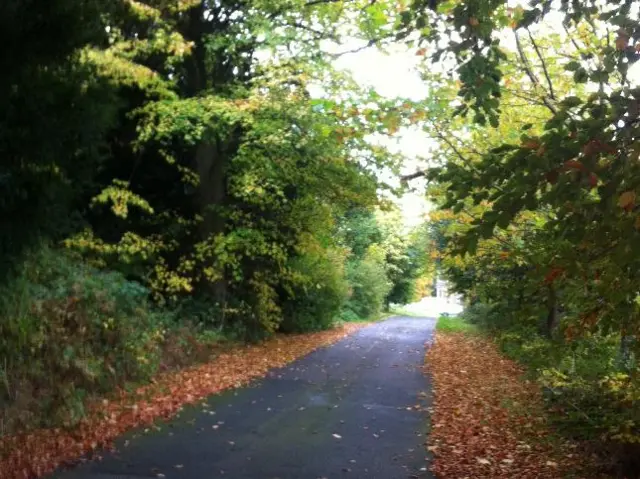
[535, 111]
[208, 161]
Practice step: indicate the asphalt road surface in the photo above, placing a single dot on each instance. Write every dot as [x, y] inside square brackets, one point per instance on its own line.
[346, 411]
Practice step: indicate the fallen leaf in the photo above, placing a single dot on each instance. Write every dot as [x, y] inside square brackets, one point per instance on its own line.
[39, 452]
[488, 413]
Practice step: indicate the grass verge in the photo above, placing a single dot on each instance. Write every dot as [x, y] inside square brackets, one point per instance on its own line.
[455, 324]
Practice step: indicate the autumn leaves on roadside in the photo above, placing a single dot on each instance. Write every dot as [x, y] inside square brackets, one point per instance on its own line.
[488, 422]
[40, 452]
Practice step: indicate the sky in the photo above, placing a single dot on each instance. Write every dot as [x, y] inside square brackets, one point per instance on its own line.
[394, 75]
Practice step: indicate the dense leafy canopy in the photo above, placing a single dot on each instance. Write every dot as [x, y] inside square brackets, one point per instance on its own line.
[537, 180]
[207, 162]
[177, 172]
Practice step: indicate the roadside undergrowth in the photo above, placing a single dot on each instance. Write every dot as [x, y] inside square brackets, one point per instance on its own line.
[488, 421]
[42, 451]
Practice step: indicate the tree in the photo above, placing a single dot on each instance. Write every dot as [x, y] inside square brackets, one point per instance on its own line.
[56, 113]
[224, 168]
[537, 184]
[578, 168]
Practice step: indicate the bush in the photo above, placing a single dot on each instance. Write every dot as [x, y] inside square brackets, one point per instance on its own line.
[318, 293]
[348, 316]
[591, 394]
[68, 331]
[369, 284]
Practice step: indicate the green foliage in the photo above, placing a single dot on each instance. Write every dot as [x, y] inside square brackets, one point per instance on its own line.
[455, 324]
[349, 316]
[193, 187]
[69, 331]
[591, 393]
[369, 284]
[538, 195]
[377, 238]
[318, 294]
[406, 258]
[359, 230]
[56, 112]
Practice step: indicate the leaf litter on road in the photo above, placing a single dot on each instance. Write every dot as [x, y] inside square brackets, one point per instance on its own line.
[488, 421]
[39, 452]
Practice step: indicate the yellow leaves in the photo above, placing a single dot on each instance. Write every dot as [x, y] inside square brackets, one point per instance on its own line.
[144, 11]
[417, 116]
[627, 200]
[125, 72]
[392, 123]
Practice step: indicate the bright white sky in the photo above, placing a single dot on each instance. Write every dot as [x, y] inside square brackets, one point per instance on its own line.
[394, 75]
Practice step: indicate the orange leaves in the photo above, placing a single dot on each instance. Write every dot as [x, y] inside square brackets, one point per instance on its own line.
[574, 165]
[553, 275]
[531, 144]
[627, 200]
[487, 421]
[589, 320]
[594, 147]
[622, 40]
[40, 452]
[552, 176]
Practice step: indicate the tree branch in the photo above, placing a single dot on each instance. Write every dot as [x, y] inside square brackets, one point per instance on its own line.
[573, 41]
[412, 176]
[531, 74]
[369, 44]
[320, 35]
[311, 3]
[544, 65]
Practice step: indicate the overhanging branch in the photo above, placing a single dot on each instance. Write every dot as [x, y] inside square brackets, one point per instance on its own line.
[530, 73]
[544, 65]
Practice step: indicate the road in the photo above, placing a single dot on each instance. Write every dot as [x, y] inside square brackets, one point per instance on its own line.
[346, 411]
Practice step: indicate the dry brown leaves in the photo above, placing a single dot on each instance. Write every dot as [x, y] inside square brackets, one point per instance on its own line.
[40, 452]
[487, 421]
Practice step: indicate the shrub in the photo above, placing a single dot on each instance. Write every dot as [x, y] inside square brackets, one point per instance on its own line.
[348, 315]
[591, 393]
[318, 293]
[369, 284]
[68, 331]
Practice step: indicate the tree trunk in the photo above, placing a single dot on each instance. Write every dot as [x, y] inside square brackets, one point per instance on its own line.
[210, 165]
[552, 311]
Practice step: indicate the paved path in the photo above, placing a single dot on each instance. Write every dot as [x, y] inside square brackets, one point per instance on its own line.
[340, 412]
